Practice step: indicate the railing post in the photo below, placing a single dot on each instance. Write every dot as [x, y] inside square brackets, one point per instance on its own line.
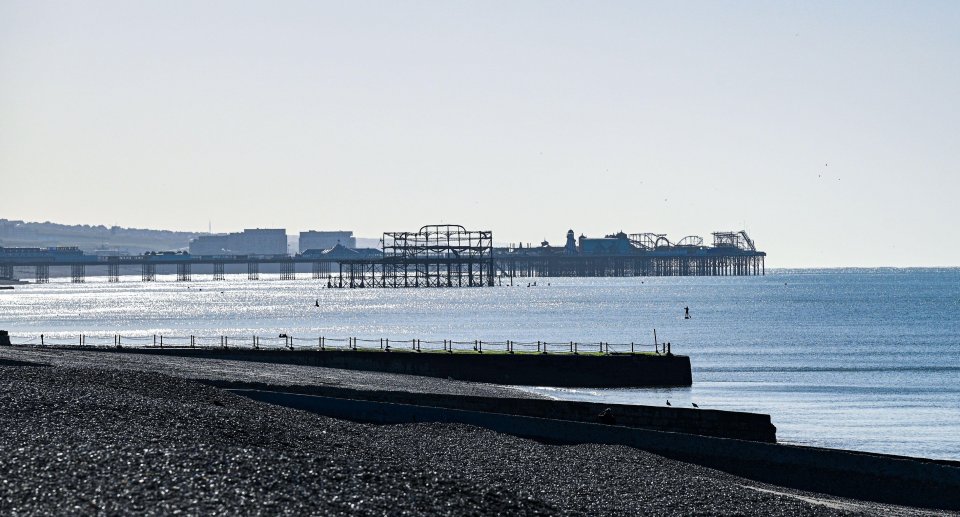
[631, 347]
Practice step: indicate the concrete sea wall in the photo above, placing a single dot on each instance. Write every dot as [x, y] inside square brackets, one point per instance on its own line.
[561, 370]
[872, 477]
[706, 422]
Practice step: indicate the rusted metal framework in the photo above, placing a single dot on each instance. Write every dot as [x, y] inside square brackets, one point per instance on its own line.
[443, 255]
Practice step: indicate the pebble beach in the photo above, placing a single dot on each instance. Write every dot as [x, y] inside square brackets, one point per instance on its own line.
[144, 436]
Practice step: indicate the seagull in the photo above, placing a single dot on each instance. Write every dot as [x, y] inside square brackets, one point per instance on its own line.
[668, 402]
[695, 404]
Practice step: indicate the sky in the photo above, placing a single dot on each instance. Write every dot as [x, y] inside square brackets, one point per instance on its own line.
[830, 131]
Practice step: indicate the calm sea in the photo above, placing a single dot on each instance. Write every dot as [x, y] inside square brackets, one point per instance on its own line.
[856, 359]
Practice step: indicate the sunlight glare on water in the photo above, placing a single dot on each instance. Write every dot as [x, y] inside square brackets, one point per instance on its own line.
[859, 359]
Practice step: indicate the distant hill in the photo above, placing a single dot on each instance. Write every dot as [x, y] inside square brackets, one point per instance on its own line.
[91, 238]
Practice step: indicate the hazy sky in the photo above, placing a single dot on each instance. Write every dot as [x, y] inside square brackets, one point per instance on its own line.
[829, 130]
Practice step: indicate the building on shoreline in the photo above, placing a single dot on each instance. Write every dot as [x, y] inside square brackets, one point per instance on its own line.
[324, 240]
[258, 241]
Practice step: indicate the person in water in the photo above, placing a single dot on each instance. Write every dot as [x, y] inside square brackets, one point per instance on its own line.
[686, 313]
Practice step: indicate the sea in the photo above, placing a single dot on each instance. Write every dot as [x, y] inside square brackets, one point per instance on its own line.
[862, 359]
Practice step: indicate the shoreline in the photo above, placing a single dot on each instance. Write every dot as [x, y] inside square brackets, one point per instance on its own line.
[285, 377]
[119, 441]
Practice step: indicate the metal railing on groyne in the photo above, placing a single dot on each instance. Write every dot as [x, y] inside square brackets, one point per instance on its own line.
[321, 343]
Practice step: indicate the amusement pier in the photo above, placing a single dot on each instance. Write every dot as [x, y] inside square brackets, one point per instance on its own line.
[433, 256]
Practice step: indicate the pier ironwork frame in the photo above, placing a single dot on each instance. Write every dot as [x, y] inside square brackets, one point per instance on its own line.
[437, 255]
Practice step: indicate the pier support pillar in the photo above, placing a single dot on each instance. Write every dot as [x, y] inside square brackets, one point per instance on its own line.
[218, 271]
[148, 272]
[253, 271]
[183, 272]
[42, 273]
[113, 272]
[6, 272]
[78, 273]
[288, 271]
